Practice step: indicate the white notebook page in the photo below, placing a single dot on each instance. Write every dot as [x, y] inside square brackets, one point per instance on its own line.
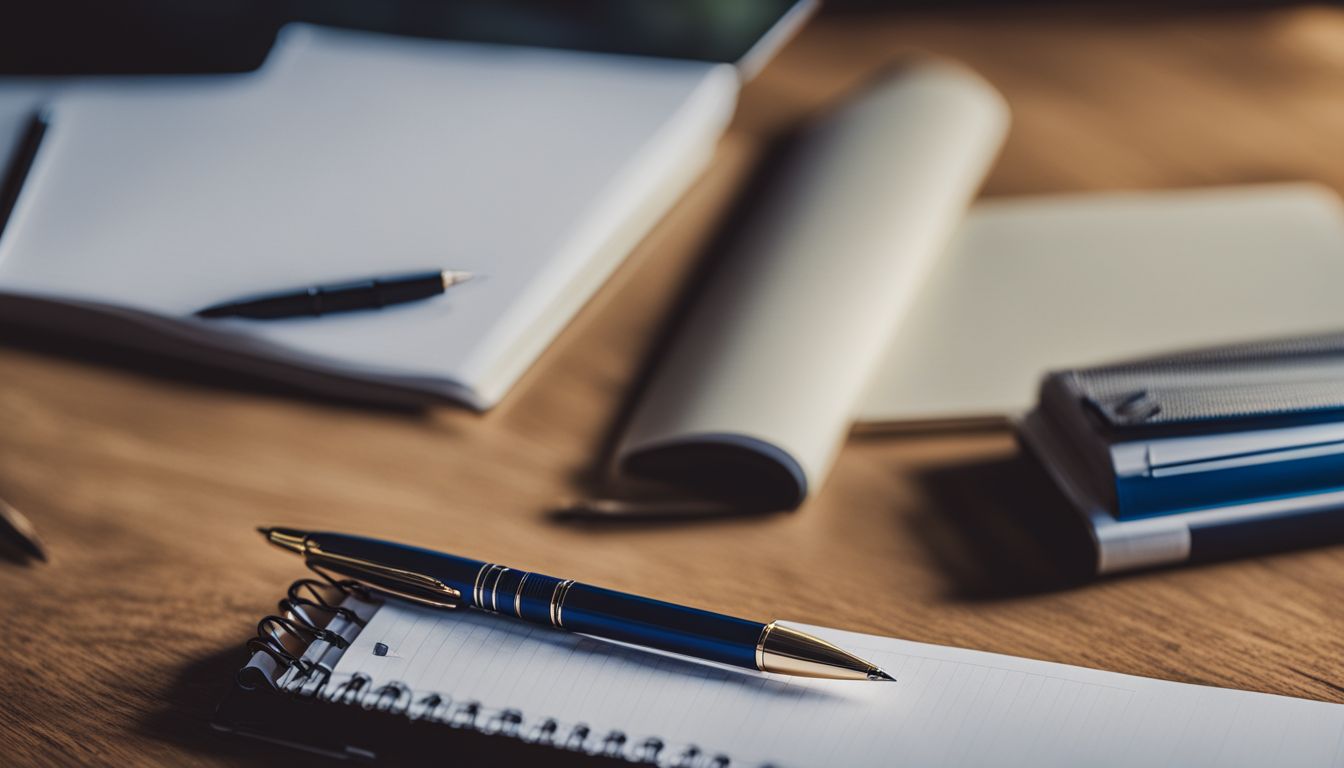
[1034, 284]
[948, 707]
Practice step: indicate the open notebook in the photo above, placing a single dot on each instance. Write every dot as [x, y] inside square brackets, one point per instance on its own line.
[350, 155]
[415, 681]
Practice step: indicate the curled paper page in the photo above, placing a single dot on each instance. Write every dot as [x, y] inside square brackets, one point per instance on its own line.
[760, 384]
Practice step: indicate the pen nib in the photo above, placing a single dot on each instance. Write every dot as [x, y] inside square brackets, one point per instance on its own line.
[785, 650]
[451, 278]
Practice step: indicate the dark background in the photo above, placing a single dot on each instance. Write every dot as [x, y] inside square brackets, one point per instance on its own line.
[67, 37]
[62, 37]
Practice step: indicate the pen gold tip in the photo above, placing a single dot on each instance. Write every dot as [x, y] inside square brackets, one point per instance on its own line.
[286, 538]
[788, 651]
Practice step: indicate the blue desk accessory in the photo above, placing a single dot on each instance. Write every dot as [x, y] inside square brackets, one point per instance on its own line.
[1200, 455]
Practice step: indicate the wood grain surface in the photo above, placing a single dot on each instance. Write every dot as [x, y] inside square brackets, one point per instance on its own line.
[147, 483]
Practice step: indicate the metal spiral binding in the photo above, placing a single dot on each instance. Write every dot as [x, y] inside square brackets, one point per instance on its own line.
[284, 636]
[303, 618]
[277, 653]
[349, 691]
[505, 722]
[315, 599]
[389, 698]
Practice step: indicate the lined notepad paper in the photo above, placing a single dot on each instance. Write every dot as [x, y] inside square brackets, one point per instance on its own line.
[949, 707]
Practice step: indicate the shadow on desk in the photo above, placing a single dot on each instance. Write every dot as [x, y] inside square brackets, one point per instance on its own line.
[203, 375]
[999, 528]
[183, 719]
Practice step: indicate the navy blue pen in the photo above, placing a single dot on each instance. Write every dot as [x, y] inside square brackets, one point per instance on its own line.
[441, 580]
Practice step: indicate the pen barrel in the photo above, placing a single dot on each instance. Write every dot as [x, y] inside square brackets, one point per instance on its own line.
[374, 294]
[404, 288]
[327, 299]
[664, 626]
[552, 602]
[616, 615]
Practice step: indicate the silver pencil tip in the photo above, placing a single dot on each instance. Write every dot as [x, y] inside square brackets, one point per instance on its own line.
[877, 674]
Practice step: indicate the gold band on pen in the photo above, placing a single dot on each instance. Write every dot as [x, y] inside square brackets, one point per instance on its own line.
[494, 591]
[760, 645]
[483, 585]
[558, 602]
[518, 595]
[555, 593]
[476, 590]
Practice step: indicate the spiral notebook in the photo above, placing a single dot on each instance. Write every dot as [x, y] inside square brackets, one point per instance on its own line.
[346, 675]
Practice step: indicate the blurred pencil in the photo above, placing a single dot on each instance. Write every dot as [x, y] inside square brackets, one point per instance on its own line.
[17, 528]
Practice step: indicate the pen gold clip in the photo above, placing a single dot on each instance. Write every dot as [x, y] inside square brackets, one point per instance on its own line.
[408, 585]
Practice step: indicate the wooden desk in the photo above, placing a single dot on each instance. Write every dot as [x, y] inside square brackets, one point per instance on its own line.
[147, 488]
